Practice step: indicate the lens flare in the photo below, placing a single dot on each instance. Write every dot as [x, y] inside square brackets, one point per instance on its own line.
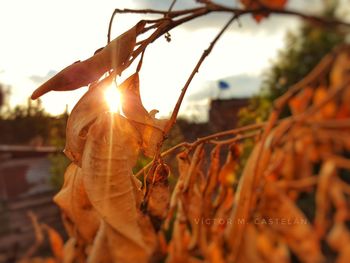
[113, 98]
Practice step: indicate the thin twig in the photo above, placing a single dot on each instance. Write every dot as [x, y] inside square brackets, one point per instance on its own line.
[300, 183]
[206, 139]
[171, 6]
[110, 26]
[173, 117]
[311, 18]
[239, 137]
[211, 7]
[175, 112]
[164, 25]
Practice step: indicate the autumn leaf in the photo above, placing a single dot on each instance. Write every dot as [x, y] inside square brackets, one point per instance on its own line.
[81, 73]
[74, 203]
[146, 123]
[99, 251]
[227, 175]
[235, 231]
[159, 192]
[328, 110]
[110, 153]
[298, 233]
[56, 242]
[275, 4]
[257, 4]
[83, 115]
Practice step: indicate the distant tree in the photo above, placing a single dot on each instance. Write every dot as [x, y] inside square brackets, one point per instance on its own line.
[59, 161]
[31, 124]
[24, 124]
[303, 50]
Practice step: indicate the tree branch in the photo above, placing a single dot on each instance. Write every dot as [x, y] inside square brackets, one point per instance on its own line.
[175, 112]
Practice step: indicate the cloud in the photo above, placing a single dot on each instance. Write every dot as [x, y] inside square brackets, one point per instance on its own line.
[38, 79]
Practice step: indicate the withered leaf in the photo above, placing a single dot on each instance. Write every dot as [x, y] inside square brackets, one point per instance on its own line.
[249, 251]
[74, 203]
[84, 113]
[256, 4]
[235, 231]
[110, 153]
[338, 237]
[150, 127]
[56, 242]
[159, 196]
[99, 251]
[126, 251]
[289, 221]
[323, 204]
[69, 251]
[82, 73]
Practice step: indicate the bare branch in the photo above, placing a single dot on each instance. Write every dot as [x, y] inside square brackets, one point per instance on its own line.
[173, 117]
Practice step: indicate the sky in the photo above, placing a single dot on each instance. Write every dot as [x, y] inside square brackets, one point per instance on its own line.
[41, 37]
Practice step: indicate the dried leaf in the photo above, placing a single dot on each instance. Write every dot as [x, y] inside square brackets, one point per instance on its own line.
[194, 167]
[227, 175]
[299, 103]
[193, 205]
[183, 165]
[56, 242]
[216, 253]
[223, 212]
[159, 196]
[340, 71]
[275, 4]
[270, 246]
[323, 205]
[149, 127]
[256, 4]
[339, 201]
[81, 73]
[99, 252]
[328, 110]
[69, 251]
[178, 251]
[122, 250]
[344, 254]
[212, 182]
[235, 231]
[83, 115]
[110, 153]
[74, 202]
[338, 237]
[248, 252]
[287, 219]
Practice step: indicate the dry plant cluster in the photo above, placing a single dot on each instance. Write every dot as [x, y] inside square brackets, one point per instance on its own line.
[210, 215]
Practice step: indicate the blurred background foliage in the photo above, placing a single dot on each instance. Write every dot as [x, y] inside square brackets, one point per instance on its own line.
[303, 50]
[31, 125]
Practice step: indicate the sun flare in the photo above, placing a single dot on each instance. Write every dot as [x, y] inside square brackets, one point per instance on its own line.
[113, 98]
